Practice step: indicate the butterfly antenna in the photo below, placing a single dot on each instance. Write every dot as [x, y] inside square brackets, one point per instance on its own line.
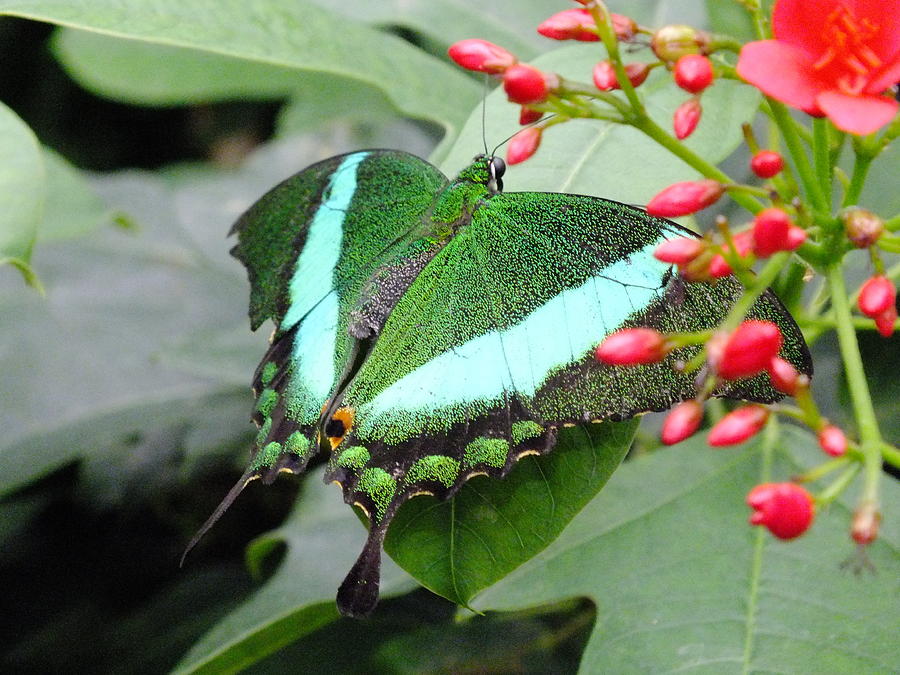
[506, 140]
[220, 509]
[484, 114]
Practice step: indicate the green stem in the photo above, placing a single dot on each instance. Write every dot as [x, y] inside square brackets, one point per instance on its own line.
[601, 16]
[822, 157]
[760, 283]
[680, 150]
[831, 493]
[891, 455]
[864, 412]
[860, 170]
[788, 130]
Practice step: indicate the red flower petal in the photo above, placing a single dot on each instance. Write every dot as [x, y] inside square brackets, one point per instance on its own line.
[782, 71]
[803, 23]
[887, 77]
[857, 114]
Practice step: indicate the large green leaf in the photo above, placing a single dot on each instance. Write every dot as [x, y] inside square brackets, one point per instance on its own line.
[295, 35]
[72, 208]
[322, 538]
[607, 160]
[22, 191]
[459, 547]
[682, 583]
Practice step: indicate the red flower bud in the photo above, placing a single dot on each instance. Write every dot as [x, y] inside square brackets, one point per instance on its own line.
[770, 232]
[786, 509]
[681, 199]
[670, 43]
[529, 116]
[571, 24]
[525, 84]
[795, 237]
[632, 347]
[693, 73]
[876, 296]
[680, 250]
[681, 422]
[743, 244]
[785, 377]
[686, 118]
[833, 441]
[481, 55]
[523, 145]
[865, 524]
[737, 426]
[886, 321]
[605, 75]
[749, 349]
[766, 163]
[863, 227]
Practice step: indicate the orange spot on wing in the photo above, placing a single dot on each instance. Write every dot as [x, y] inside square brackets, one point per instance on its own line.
[339, 426]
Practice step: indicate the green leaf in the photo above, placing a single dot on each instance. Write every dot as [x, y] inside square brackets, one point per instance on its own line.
[603, 159]
[459, 547]
[681, 581]
[149, 73]
[323, 539]
[72, 208]
[296, 35]
[22, 190]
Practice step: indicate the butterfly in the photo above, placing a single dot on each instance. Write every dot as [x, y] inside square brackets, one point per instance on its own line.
[428, 331]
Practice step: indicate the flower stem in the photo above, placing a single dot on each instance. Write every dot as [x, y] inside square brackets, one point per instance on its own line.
[795, 147]
[822, 157]
[860, 170]
[870, 437]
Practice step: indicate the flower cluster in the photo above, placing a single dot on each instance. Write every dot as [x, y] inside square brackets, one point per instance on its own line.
[836, 60]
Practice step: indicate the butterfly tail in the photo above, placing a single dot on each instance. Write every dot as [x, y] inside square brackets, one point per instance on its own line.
[233, 493]
[358, 593]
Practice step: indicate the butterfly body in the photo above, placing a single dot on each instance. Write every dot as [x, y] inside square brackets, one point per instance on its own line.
[428, 331]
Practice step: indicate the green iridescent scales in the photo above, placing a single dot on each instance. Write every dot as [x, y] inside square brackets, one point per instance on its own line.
[458, 330]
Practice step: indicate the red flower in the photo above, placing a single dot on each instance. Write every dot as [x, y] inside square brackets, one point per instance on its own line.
[830, 57]
[885, 321]
[749, 349]
[686, 118]
[876, 296]
[529, 116]
[605, 75]
[681, 422]
[785, 377]
[681, 199]
[737, 426]
[832, 440]
[773, 232]
[766, 163]
[570, 24]
[481, 55]
[525, 84]
[680, 250]
[632, 347]
[523, 145]
[693, 73]
[785, 508]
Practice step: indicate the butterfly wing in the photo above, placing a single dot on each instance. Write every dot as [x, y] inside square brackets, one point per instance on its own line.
[490, 350]
[328, 252]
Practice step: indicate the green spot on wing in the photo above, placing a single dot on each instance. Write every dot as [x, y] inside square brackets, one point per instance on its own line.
[490, 451]
[525, 430]
[438, 468]
[267, 455]
[267, 400]
[354, 457]
[378, 484]
[297, 444]
[263, 432]
[268, 373]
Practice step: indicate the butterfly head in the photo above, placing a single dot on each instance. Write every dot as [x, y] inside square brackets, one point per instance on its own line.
[486, 170]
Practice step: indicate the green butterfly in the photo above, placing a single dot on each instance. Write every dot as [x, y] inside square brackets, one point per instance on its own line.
[428, 331]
